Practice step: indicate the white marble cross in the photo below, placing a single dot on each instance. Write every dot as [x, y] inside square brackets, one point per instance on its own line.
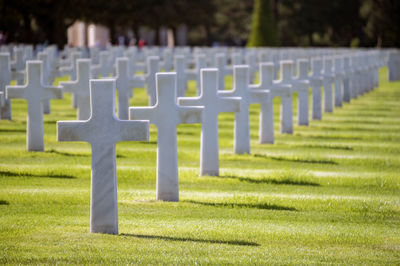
[181, 80]
[71, 72]
[5, 79]
[103, 130]
[80, 87]
[42, 56]
[220, 64]
[316, 79]
[248, 95]
[125, 84]
[194, 74]
[286, 96]
[153, 66]
[166, 115]
[104, 68]
[213, 105]
[328, 81]
[34, 92]
[18, 66]
[346, 81]
[302, 85]
[338, 80]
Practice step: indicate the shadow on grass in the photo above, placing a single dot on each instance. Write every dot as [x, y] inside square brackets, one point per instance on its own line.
[296, 160]
[330, 147]
[68, 153]
[76, 154]
[20, 174]
[147, 142]
[322, 137]
[4, 202]
[12, 130]
[263, 206]
[285, 181]
[188, 239]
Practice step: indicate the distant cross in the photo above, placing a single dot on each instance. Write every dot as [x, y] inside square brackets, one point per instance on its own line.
[71, 72]
[194, 74]
[167, 115]
[18, 65]
[346, 81]
[265, 93]
[125, 83]
[213, 105]
[286, 96]
[42, 56]
[103, 130]
[328, 80]
[248, 95]
[34, 92]
[153, 66]
[316, 79]
[302, 85]
[5, 79]
[181, 79]
[104, 68]
[80, 87]
[338, 80]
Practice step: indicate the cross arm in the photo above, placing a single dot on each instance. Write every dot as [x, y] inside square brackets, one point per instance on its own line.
[53, 93]
[141, 113]
[230, 93]
[190, 115]
[133, 130]
[191, 74]
[301, 84]
[68, 86]
[258, 96]
[229, 104]
[278, 89]
[189, 101]
[65, 71]
[137, 82]
[15, 92]
[18, 75]
[72, 131]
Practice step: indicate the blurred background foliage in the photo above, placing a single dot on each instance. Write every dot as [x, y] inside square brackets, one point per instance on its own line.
[225, 22]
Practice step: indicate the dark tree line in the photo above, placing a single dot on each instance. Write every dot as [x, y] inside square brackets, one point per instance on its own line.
[294, 22]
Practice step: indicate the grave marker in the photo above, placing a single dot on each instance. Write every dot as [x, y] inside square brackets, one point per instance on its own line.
[316, 79]
[103, 130]
[34, 92]
[328, 80]
[125, 84]
[167, 115]
[213, 105]
[80, 87]
[5, 79]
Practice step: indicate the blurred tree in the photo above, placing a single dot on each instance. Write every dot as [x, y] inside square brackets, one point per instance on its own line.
[263, 29]
[382, 22]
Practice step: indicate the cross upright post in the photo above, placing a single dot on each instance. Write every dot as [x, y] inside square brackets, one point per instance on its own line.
[5, 79]
[286, 96]
[316, 79]
[338, 80]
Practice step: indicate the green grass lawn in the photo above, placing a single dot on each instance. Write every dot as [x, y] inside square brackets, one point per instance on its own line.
[329, 193]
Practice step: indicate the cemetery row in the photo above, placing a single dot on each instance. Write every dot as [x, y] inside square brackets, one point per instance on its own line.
[95, 75]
